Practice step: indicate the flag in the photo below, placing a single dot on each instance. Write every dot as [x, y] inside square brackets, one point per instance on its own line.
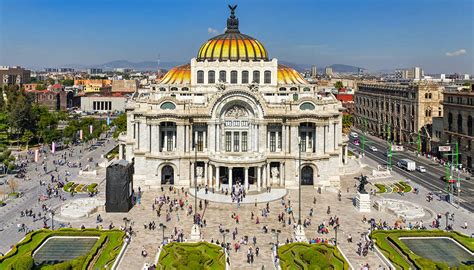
[36, 155]
[90, 129]
[80, 134]
[53, 147]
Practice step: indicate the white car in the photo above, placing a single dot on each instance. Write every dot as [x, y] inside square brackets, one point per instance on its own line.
[421, 169]
[354, 135]
[373, 148]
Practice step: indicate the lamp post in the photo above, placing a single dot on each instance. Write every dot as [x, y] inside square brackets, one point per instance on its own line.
[277, 233]
[447, 217]
[52, 219]
[195, 231]
[299, 181]
[163, 227]
[224, 233]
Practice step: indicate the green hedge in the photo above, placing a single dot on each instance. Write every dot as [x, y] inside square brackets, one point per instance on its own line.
[92, 187]
[311, 256]
[381, 187]
[191, 256]
[106, 248]
[68, 186]
[406, 187]
[386, 240]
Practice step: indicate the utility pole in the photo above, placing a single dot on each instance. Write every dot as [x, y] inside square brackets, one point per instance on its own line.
[389, 150]
[363, 137]
[418, 143]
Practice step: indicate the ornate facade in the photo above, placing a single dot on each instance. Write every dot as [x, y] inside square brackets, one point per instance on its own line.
[234, 116]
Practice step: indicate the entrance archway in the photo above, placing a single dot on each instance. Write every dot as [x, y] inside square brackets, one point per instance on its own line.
[167, 175]
[307, 175]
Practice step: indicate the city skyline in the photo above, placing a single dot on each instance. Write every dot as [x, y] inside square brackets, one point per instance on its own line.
[367, 34]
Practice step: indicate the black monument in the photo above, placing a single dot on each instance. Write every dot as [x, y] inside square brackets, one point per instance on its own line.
[119, 186]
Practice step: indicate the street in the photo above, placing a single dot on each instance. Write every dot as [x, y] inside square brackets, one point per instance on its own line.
[431, 179]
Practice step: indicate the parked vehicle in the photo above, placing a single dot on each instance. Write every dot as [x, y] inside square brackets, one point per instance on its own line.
[373, 148]
[354, 135]
[406, 164]
[421, 169]
[356, 142]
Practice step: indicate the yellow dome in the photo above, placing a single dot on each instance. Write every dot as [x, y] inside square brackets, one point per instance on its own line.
[232, 45]
[178, 75]
[287, 75]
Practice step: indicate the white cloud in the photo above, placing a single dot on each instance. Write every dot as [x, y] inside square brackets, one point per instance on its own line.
[456, 53]
[212, 31]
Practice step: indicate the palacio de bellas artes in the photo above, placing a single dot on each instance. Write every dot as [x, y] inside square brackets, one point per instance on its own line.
[233, 115]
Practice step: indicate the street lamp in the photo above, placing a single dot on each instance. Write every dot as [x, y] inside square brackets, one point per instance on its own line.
[163, 227]
[224, 233]
[335, 231]
[52, 219]
[277, 233]
[299, 181]
[447, 217]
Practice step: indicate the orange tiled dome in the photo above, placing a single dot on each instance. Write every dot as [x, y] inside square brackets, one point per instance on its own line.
[178, 75]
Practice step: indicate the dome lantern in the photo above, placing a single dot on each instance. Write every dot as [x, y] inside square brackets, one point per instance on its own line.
[232, 45]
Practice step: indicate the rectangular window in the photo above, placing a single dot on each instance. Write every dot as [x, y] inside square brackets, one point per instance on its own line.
[228, 141]
[233, 76]
[267, 77]
[244, 141]
[93, 105]
[200, 141]
[211, 76]
[272, 142]
[245, 76]
[310, 140]
[236, 141]
[200, 76]
[222, 76]
[256, 76]
[303, 141]
[169, 142]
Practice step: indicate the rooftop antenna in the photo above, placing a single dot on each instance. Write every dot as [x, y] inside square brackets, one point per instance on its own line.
[158, 66]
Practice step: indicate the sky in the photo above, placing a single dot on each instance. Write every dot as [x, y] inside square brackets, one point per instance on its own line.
[437, 35]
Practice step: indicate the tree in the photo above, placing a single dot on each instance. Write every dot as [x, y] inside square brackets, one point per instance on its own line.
[338, 85]
[120, 124]
[67, 82]
[40, 87]
[347, 122]
[26, 137]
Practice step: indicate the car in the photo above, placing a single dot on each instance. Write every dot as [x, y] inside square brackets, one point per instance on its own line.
[354, 135]
[373, 148]
[421, 169]
[356, 142]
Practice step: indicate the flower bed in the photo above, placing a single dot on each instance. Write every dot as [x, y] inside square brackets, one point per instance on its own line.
[388, 242]
[406, 187]
[101, 255]
[382, 188]
[310, 256]
[191, 256]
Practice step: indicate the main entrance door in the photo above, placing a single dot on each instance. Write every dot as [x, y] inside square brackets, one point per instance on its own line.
[167, 175]
[307, 175]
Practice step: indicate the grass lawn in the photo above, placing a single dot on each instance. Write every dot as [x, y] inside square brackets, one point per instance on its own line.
[103, 253]
[382, 188]
[310, 256]
[403, 258]
[191, 256]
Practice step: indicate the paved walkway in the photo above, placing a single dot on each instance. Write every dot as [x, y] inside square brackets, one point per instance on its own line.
[273, 195]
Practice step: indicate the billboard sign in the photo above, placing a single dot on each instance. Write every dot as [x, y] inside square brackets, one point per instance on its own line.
[444, 148]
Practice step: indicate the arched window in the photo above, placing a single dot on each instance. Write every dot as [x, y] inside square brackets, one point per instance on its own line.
[256, 76]
[174, 88]
[222, 76]
[167, 106]
[450, 121]
[404, 109]
[184, 89]
[404, 123]
[245, 76]
[429, 95]
[211, 76]
[267, 78]
[306, 89]
[200, 76]
[469, 125]
[307, 106]
[426, 95]
[282, 89]
[459, 123]
[233, 76]
[293, 89]
[162, 89]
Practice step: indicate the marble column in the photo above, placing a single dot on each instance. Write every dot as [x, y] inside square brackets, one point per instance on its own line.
[180, 142]
[158, 139]
[217, 183]
[281, 174]
[246, 177]
[259, 179]
[264, 175]
[230, 179]
[121, 151]
[268, 180]
[205, 176]
[191, 168]
[209, 172]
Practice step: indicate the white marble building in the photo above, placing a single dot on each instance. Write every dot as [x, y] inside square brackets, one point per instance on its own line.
[234, 115]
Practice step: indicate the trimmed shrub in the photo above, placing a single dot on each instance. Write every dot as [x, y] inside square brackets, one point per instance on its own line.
[25, 262]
